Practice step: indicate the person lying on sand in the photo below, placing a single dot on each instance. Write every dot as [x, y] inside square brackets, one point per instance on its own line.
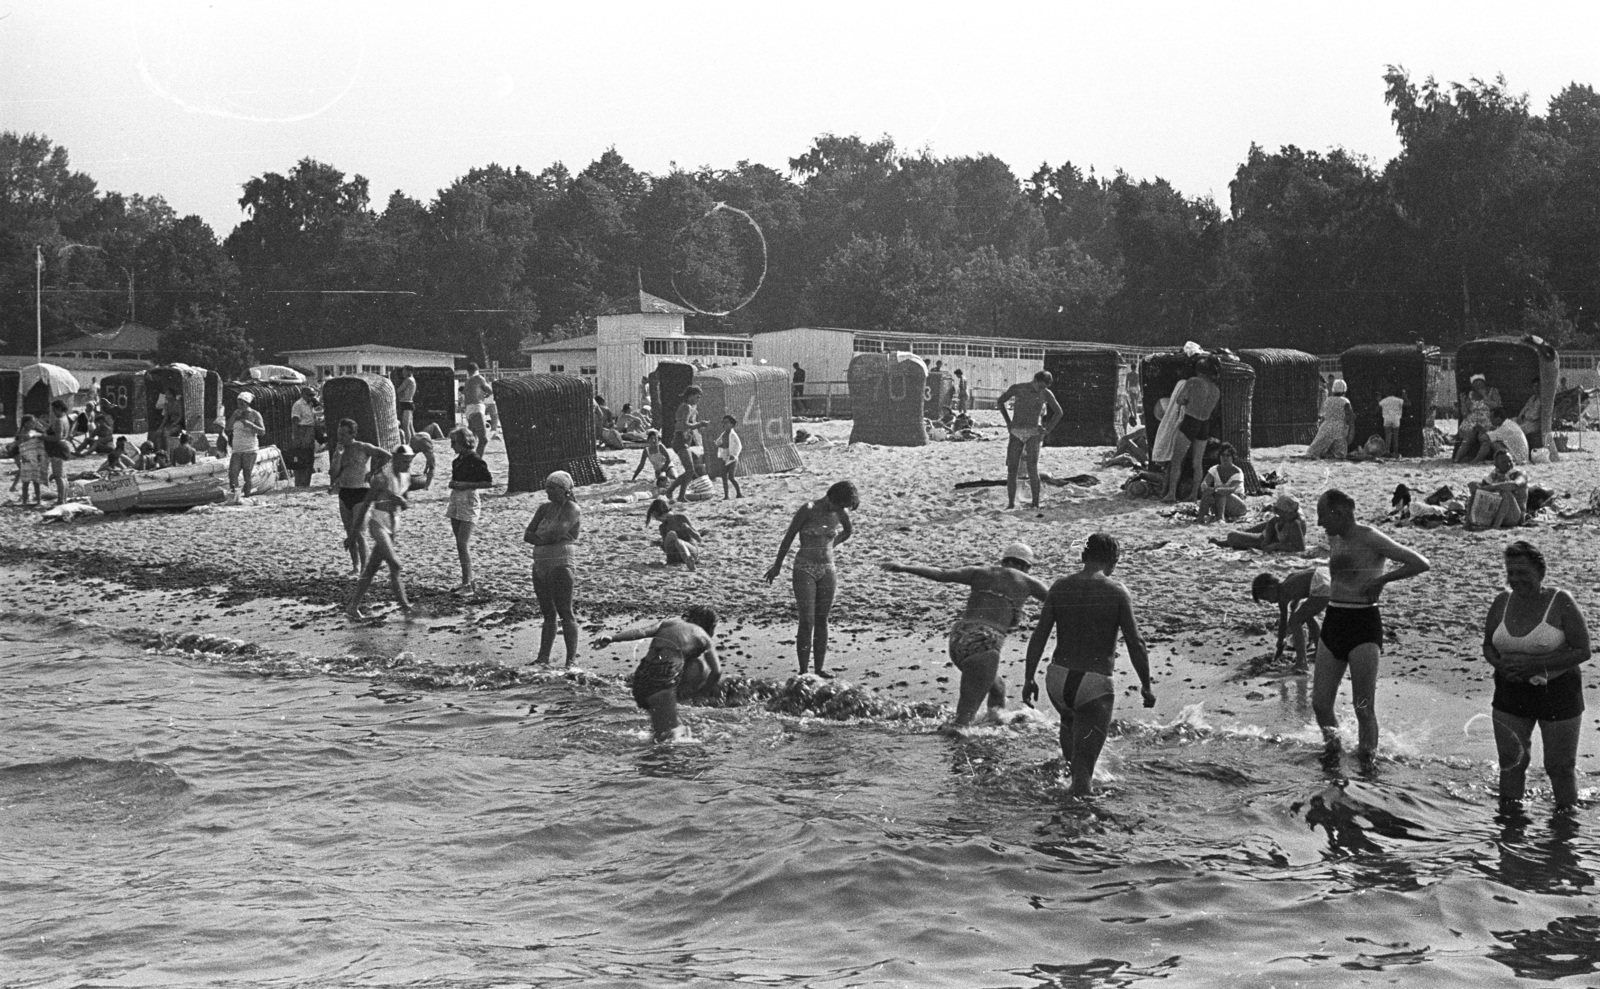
[993, 608]
[1283, 532]
[680, 664]
[1300, 598]
[1086, 611]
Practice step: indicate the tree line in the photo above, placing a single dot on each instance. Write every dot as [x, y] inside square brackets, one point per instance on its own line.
[1487, 221]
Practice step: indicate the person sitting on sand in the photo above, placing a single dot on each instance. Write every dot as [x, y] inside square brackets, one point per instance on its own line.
[100, 439]
[183, 453]
[1300, 598]
[994, 607]
[1085, 611]
[656, 455]
[630, 425]
[386, 498]
[1222, 490]
[1029, 401]
[120, 458]
[680, 664]
[1283, 532]
[1511, 484]
[1336, 425]
[146, 460]
[679, 538]
[1475, 405]
[1505, 434]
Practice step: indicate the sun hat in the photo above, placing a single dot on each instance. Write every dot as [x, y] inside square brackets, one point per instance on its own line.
[1021, 552]
[403, 451]
[245, 396]
[1478, 377]
[560, 479]
[1339, 387]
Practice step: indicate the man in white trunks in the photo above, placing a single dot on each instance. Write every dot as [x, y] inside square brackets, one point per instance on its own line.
[474, 392]
[1352, 631]
[1029, 400]
[993, 608]
[1086, 611]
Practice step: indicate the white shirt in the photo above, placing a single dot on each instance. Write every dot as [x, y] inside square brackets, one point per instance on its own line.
[303, 413]
[245, 439]
[1392, 407]
[1515, 440]
[735, 446]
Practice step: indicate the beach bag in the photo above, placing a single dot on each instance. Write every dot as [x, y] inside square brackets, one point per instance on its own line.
[699, 489]
[1376, 446]
[1483, 508]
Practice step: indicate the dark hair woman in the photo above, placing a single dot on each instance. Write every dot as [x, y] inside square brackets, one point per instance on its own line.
[820, 526]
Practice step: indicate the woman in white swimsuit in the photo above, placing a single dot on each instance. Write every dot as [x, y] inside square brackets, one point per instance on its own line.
[820, 526]
[1536, 679]
[385, 499]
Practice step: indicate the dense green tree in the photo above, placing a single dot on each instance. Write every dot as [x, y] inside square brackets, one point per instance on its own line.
[205, 337]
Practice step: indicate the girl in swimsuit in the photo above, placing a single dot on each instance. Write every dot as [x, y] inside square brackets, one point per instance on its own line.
[385, 497]
[993, 608]
[1536, 679]
[553, 533]
[679, 537]
[349, 463]
[820, 526]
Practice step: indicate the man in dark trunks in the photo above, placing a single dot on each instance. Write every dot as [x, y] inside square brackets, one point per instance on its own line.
[681, 663]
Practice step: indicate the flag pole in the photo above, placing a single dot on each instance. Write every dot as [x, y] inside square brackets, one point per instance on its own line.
[38, 304]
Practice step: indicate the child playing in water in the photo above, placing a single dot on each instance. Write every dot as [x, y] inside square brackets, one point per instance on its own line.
[1392, 407]
[681, 663]
[1300, 598]
[655, 453]
[729, 446]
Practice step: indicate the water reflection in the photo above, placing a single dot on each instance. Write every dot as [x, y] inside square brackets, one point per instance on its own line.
[1548, 864]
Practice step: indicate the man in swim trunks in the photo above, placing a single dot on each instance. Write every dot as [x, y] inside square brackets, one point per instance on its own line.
[1198, 403]
[1029, 399]
[474, 392]
[1086, 610]
[405, 402]
[1352, 632]
[1300, 598]
[681, 663]
[993, 607]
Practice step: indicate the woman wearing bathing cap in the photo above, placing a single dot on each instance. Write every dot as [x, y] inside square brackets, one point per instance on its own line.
[994, 608]
[1283, 532]
[1336, 425]
[553, 533]
[1472, 436]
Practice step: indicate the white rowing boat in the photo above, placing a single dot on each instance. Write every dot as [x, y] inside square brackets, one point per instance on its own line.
[202, 483]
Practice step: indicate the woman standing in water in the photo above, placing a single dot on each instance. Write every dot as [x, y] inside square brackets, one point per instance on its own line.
[468, 476]
[553, 533]
[993, 609]
[821, 525]
[1535, 638]
[386, 498]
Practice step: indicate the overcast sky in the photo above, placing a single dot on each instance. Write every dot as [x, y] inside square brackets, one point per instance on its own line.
[189, 100]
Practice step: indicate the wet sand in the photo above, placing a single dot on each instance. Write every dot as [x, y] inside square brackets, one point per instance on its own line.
[273, 574]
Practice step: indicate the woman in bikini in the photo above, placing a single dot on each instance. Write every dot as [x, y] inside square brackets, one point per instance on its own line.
[384, 501]
[1536, 679]
[820, 525]
[1086, 611]
[993, 609]
[349, 463]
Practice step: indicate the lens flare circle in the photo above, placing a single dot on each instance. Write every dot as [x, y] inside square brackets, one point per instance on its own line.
[761, 280]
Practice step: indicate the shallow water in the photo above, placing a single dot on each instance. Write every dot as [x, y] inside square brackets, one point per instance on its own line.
[181, 817]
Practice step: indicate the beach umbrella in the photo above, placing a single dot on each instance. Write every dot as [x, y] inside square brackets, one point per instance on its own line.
[61, 383]
[277, 372]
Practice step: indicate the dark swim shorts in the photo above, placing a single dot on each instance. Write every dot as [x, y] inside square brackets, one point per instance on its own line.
[1558, 700]
[656, 675]
[1198, 430]
[351, 497]
[406, 406]
[1343, 629]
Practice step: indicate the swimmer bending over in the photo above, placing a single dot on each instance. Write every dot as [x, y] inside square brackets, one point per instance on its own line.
[681, 663]
[1352, 631]
[993, 608]
[1086, 610]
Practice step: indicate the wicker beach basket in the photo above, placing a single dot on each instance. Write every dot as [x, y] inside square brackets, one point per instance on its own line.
[10, 402]
[939, 392]
[124, 395]
[1087, 384]
[886, 399]
[1230, 422]
[1519, 368]
[1286, 398]
[1376, 371]
[190, 384]
[549, 426]
[435, 401]
[667, 383]
[211, 402]
[759, 398]
[369, 400]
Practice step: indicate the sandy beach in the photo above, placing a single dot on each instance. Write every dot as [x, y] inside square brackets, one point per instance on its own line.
[273, 575]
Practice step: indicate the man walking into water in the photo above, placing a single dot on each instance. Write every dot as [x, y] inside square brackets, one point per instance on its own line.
[680, 663]
[1029, 400]
[1352, 631]
[474, 392]
[1086, 611]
